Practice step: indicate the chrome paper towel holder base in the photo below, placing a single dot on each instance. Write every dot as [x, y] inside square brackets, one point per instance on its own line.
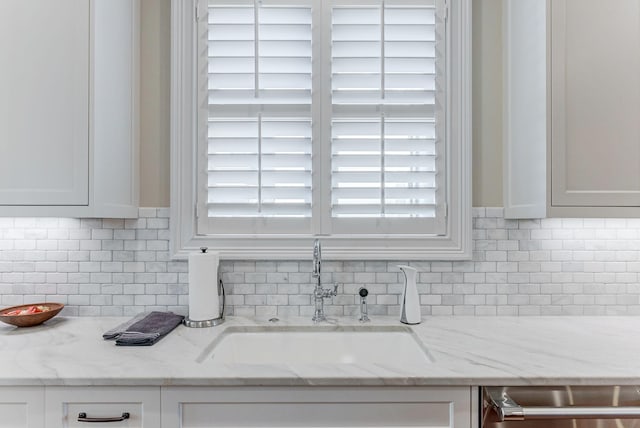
[208, 323]
[200, 324]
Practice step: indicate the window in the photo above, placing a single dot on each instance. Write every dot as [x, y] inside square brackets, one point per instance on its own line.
[344, 119]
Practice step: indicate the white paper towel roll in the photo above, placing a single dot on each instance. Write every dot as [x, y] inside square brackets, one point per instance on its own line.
[204, 301]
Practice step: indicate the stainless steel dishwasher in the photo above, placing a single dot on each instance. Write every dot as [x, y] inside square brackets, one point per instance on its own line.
[561, 407]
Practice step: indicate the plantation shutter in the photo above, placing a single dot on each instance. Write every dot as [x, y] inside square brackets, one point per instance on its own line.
[322, 117]
[258, 170]
[386, 151]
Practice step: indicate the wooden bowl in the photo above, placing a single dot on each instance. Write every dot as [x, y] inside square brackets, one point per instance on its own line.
[30, 320]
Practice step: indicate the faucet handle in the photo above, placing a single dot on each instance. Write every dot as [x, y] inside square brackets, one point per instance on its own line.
[328, 292]
[364, 313]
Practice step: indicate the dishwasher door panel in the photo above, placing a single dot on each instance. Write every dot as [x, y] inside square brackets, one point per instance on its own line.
[552, 406]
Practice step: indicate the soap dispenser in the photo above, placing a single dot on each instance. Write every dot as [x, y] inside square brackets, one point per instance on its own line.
[410, 303]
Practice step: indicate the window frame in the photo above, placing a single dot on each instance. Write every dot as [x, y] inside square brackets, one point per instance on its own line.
[454, 244]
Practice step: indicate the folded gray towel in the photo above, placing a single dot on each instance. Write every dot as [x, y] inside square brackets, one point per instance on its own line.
[117, 331]
[147, 330]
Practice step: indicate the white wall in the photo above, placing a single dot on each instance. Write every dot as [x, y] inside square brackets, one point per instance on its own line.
[487, 103]
[154, 114]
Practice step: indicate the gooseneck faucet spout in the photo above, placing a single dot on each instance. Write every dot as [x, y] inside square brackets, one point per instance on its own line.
[319, 293]
[317, 259]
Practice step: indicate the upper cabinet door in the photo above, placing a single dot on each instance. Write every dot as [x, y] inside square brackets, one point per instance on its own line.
[44, 102]
[595, 103]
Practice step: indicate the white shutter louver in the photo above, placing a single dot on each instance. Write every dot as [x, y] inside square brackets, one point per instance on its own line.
[259, 132]
[384, 142]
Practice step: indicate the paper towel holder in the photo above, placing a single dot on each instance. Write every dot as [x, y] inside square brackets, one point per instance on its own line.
[214, 321]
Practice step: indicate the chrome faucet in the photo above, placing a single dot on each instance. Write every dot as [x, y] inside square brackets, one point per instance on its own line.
[320, 293]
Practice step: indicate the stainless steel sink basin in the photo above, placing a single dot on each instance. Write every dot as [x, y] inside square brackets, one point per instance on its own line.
[390, 345]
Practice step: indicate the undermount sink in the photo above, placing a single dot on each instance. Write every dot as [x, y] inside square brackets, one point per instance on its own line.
[390, 345]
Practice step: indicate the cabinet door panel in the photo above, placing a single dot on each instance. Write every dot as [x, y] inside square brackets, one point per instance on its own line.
[595, 103]
[315, 414]
[187, 407]
[44, 102]
[21, 407]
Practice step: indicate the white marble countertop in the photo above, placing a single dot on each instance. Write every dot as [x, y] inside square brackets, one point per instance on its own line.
[465, 350]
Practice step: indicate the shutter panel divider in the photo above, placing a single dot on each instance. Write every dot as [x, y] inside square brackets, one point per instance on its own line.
[259, 157]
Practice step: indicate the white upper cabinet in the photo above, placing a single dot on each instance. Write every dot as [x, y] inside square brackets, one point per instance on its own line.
[595, 104]
[586, 99]
[525, 108]
[68, 108]
[44, 121]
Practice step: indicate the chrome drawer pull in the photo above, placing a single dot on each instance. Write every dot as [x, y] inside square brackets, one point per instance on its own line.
[508, 410]
[82, 417]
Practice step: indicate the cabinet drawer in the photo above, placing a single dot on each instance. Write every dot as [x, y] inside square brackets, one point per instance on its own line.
[117, 414]
[131, 407]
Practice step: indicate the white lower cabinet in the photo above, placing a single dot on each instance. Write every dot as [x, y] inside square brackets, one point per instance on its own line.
[21, 407]
[207, 407]
[131, 407]
[246, 407]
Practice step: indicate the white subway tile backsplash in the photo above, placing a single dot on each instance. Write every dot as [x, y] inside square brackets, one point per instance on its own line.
[113, 267]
